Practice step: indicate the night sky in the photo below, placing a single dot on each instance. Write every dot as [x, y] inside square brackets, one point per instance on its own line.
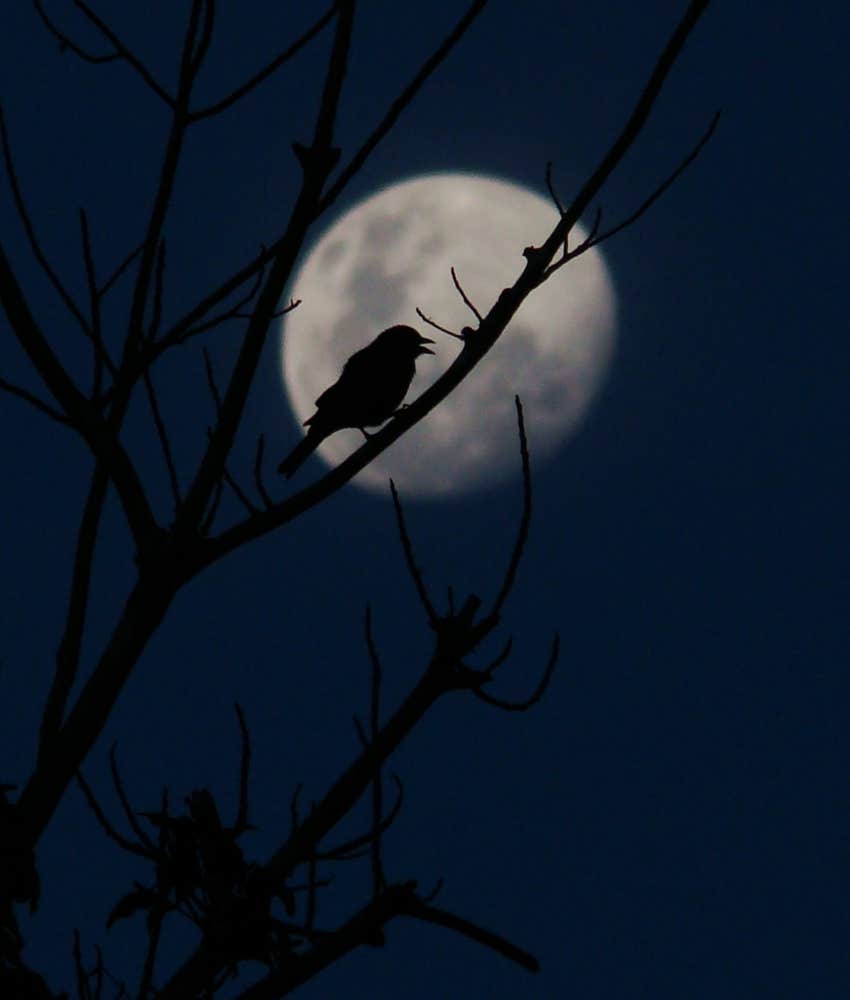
[672, 820]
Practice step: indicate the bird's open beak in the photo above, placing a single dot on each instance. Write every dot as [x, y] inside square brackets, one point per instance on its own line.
[424, 340]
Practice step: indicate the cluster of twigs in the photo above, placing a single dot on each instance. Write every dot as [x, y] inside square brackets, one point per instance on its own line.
[175, 545]
[200, 871]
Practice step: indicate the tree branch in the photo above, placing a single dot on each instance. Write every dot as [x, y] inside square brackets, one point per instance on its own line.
[316, 162]
[266, 71]
[122, 51]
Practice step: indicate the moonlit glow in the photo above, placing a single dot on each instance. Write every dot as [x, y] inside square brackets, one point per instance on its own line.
[392, 253]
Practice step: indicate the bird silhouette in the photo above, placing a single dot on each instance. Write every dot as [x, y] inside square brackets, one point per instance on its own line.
[371, 387]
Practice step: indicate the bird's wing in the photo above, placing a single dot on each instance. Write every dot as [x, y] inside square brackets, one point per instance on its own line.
[355, 375]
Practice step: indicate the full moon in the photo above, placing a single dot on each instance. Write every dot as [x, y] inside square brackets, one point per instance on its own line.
[393, 253]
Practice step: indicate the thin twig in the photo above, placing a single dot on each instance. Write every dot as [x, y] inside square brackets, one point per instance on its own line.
[159, 274]
[68, 653]
[501, 657]
[119, 271]
[258, 472]
[404, 99]
[464, 296]
[241, 822]
[125, 802]
[33, 400]
[594, 240]
[313, 884]
[410, 559]
[99, 355]
[322, 156]
[124, 842]
[65, 42]
[436, 915]
[539, 691]
[442, 329]
[125, 53]
[266, 72]
[29, 228]
[347, 849]
[203, 45]
[553, 193]
[162, 434]
[525, 520]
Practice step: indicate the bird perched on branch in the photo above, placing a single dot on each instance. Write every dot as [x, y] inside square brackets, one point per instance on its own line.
[373, 383]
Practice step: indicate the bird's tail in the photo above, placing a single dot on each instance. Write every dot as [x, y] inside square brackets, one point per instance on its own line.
[300, 453]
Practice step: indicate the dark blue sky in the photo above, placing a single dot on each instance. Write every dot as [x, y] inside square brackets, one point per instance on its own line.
[672, 821]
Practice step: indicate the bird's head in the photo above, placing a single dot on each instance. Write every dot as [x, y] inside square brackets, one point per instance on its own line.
[405, 340]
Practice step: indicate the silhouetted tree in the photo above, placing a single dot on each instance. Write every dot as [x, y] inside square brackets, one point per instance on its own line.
[245, 909]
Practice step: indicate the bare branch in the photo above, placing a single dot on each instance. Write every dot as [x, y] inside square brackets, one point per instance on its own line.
[317, 161]
[119, 271]
[552, 192]
[66, 43]
[442, 329]
[348, 848]
[258, 472]
[99, 355]
[434, 915]
[494, 664]
[539, 691]
[266, 71]
[123, 842]
[206, 35]
[80, 412]
[159, 273]
[594, 240]
[410, 559]
[464, 296]
[33, 400]
[122, 51]
[404, 99]
[68, 653]
[35, 246]
[240, 494]
[241, 822]
[135, 826]
[162, 434]
[525, 520]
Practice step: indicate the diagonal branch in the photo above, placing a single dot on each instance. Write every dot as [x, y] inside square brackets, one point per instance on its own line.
[594, 239]
[33, 400]
[317, 161]
[436, 915]
[165, 443]
[537, 694]
[266, 71]
[29, 228]
[410, 559]
[241, 822]
[525, 520]
[68, 653]
[66, 43]
[122, 51]
[399, 105]
[79, 411]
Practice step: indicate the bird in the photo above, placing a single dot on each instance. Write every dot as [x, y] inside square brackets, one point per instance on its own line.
[369, 390]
